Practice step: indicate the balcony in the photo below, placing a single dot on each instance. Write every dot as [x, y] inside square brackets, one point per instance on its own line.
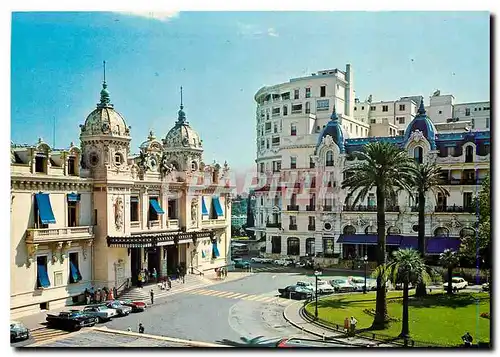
[455, 209]
[135, 224]
[369, 208]
[463, 182]
[292, 208]
[327, 208]
[213, 222]
[153, 224]
[292, 227]
[311, 208]
[273, 225]
[173, 223]
[311, 228]
[47, 235]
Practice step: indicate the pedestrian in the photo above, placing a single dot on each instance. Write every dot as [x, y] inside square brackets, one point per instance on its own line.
[353, 323]
[129, 329]
[183, 274]
[141, 328]
[169, 283]
[154, 274]
[467, 338]
[98, 296]
[152, 294]
[146, 275]
[178, 273]
[346, 325]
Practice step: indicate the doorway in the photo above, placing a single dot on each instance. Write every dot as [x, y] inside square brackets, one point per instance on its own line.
[153, 260]
[172, 259]
[135, 261]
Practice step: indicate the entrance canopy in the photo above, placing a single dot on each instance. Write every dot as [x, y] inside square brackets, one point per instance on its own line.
[146, 240]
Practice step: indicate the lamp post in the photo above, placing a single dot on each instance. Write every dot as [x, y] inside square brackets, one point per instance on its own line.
[316, 274]
[366, 263]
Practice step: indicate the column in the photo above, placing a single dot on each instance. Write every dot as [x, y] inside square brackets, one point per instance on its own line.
[302, 251]
[284, 245]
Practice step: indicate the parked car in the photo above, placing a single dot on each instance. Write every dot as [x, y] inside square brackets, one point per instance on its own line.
[256, 260]
[240, 263]
[71, 320]
[306, 285]
[324, 287]
[281, 262]
[101, 311]
[456, 284]
[399, 286]
[295, 292]
[267, 260]
[137, 306]
[486, 287]
[341, 285]
[122, 310]
[18, 332]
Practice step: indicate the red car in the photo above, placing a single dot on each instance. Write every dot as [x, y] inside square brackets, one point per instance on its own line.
[137, 306]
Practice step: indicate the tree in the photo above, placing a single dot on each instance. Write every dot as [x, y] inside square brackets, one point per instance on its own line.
[427, 178]
[449, 259]
[388, 169]
[478, 246]
[250, 220]
[406, 267]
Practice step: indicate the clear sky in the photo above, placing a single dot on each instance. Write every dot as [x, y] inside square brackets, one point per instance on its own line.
[221, 59]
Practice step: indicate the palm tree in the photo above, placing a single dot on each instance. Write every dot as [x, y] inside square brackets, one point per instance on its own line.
[449, 259]
[389, 169]
[427, 178]
[406, 267]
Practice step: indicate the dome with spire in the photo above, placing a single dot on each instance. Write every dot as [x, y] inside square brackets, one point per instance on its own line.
[182, 136]
[333, 129]
[423, 123]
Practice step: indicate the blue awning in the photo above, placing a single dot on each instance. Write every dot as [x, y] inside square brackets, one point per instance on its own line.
[204, 210]
[44, 208]
[134, 199]
[367, 239]
[439, 245]
[43, 277]
[217, 206]
[156, 206]
[73, 197]
[75, 275]
[215, 251]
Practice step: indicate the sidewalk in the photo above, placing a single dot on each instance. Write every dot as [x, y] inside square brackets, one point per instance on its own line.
[293, 315]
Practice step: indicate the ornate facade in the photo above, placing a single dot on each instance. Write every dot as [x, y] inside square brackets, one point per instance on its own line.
[95, 215]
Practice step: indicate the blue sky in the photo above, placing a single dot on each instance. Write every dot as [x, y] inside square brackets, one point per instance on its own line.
[221, 59]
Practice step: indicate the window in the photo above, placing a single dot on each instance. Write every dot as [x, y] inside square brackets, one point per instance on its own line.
[152, 214]
[323, 104]
[373, 121]
[371, 200]
[262, 200]
[72, 213]
[118, 159]
[261, 167]
[373, 107]
[362, 108]
[350, 127]
[134, 209]
[322, 91]
[296, 94]
[467, 112]
[40, 163]
[475, 109]
[276, 141]
[276, 111]
[467, 200]
[293, 199]
[297, 108]
[329, 158]
[469, 154]
[293, 130]
[293, 246]
[308, 92]
[267, 143]
[293, 162]
[312, 165]
[402, 107]
[285, 110]
[71, 165]
[312, 222]
[74, 269]
[308, 107]
[472, 123]
[451, 151]
[385, 108]
[310, 249]
[293, 220]
[487, 123]
[356, 130]
[401, 132]
[172, 209]
[37, 219]
[268, 127]
[276, 245]
[285, 96]
[401, 120]
[275, 128]
[355, 108]
[418, 154]
[42, 278]
[441, 201]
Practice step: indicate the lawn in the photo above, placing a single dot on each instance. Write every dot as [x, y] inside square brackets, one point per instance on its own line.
[438, 319]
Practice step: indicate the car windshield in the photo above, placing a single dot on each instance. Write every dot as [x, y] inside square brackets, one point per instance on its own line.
[456, 280]
[358, 280]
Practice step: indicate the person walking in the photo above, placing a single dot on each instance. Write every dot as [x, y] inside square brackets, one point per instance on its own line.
[98, 296]
[178, 273]
[154, 275]
[141, 328]
[169, 283]
[467, 338]
[353, 323]
[346, 325]
[152, 294]
[183, 274]
[92, 294]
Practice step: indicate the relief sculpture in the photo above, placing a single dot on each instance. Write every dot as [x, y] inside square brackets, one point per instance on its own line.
[194, 210]
[118, 213]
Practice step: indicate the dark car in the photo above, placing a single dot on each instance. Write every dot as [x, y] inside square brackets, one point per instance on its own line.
[122, 310]
[18, 332]
[295, 292]
[137, 306]
[240, 263]
[71, 320]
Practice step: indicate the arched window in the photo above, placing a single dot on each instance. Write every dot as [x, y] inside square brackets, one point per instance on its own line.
[469, 154]
[310, 249]
[349, 230]
[393, 230]
[293, 246]
[441, 232]
[371, 229]
[418, 154]
[329, 158]
[467, 232]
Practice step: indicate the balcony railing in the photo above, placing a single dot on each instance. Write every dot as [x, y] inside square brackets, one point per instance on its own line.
[153, 224]
[135, 224]
[273, 225]
[455, 209]
[292, 227]
[311, 208]
[292, 207]
[213, 222]
[463, 182]
[311, 228]
[363, 208]
[327, 208]
[173, 223]
[45, 235]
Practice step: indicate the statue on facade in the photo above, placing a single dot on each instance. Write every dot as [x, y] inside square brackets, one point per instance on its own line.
[165, 167]
[194, 210]
[369, 100]
[118, 213]
[143, 161]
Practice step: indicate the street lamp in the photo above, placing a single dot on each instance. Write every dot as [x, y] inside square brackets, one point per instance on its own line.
[366, 263]
[316, 274]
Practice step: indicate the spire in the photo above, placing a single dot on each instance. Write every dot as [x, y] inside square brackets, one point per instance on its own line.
[181, 119]
[334, 114]
[421, 109]
[105, 102]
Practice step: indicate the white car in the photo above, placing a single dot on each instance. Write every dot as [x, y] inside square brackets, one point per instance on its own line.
[456, 284]
[282, 262]
[266, 260]
[324, 287]
[256, 260]
[306, 285]
[102, 312]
